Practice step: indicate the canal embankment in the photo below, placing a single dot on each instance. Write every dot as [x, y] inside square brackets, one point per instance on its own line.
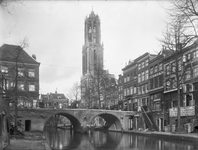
[28, 141]
[167, 135]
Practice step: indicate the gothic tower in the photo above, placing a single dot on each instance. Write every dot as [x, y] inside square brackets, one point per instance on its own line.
[92, 51]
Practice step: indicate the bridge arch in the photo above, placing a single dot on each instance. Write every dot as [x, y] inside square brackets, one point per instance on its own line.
[113, 122]
[74, 120]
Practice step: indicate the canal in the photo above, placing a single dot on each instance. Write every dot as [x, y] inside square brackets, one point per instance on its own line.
[63, 139]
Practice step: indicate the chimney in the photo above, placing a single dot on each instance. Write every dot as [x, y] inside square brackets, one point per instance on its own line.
[34, 56]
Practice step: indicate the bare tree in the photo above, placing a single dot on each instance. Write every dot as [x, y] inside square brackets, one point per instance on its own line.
[186, 10]
[74, 93]
[180, 33]
[94, 87]
[23, 44]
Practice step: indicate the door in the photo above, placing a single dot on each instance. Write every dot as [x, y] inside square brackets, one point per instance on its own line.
[27, 125]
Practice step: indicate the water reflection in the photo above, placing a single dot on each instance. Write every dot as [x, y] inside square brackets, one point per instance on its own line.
[65, 140]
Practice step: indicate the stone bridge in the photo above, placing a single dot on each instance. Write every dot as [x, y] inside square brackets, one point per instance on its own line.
[79, 118]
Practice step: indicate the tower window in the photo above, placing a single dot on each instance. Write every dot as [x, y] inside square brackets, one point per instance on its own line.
[89, 29]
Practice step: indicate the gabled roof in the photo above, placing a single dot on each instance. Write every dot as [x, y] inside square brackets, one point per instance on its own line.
[57, 96]
[11, 52]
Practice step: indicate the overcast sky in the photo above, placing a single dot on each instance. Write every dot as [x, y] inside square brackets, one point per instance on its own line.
[55, 33]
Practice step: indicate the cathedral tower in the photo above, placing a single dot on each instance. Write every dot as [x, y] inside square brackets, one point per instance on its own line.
[92, 53]
[92, 57]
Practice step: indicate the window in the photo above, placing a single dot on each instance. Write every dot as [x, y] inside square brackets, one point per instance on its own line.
[174, 103]
[189, 87]
[188, 74]
[161, 80]
[142, 76]
[139, 90]
[168, 69]
[21, 86]
[124, 79]
[135, 73]
[195, 54]
[173, 83]
[167, 85]
[125, 92]
[156, 105]
[134, 89]
[151, 83]
[143, 89]
[184, 59]
[151, 70]
[31, 87]
[188, 56]
[144, 103]
[151, 97]
[12, 84]
[156, 69]
[31, 73]
[128, 91]
[20, 72]
[4, 69]
[173, 67]
[146, 75]
[139, 78]
[143, 64]
[189, 100]
[139, 66]
[146, 87]
[146, 62]
[128, 78]
[160, 67]
[131, 90]
[195, 71]
[4, 84]
[156, 82]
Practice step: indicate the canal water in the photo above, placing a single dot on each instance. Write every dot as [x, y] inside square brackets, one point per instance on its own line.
[62, 139]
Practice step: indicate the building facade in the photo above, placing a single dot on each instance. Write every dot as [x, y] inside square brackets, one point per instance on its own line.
[156, 89]
[20, 74]
[180, 88]
[149, 87]
[55, 100]
[130, 86]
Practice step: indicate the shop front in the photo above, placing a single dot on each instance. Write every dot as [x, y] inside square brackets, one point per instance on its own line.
[187, 118]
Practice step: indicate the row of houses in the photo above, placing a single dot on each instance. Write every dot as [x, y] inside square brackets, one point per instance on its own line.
[149, 84]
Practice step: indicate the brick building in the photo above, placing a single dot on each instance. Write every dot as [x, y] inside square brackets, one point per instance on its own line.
[183, 63]
[148, 86]
[18, 68]
[55, 100]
